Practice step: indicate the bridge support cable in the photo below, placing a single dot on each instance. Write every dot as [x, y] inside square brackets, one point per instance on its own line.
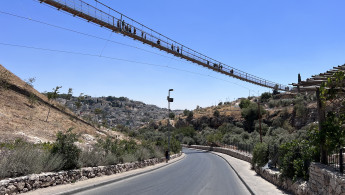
[119, 23]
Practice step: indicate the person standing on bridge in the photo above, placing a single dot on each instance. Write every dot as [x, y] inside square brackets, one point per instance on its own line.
[172, 46]
[158, 42]
[123, 24]
[178, 49]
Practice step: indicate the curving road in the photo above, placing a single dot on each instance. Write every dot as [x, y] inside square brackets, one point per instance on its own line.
[198, 173]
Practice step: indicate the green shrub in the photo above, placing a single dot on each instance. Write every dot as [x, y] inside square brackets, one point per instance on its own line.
[186, 112]
[128, 158]
[27, 158]
[244, 103]
[216, 113]
[260, 154]
[300, 110]
[295, 158]
[188, 141]
[96, 157]
[264, 127]
[277, 122]
[265, 96]
[239, 124]
[4, 79]
[245, 135]
[65, 147]
[273, 103]
[142, 154]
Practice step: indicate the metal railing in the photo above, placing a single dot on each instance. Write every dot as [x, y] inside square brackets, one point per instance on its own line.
[336, 160]
[244, 148]
[120, 23]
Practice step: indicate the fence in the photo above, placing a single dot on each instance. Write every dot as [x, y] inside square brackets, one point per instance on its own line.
[245, 148]
[273, 155]
[336, 160]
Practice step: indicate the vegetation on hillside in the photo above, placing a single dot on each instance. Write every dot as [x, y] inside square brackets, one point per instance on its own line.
[22, 158]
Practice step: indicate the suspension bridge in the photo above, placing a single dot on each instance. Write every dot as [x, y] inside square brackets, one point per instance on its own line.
[117, 22]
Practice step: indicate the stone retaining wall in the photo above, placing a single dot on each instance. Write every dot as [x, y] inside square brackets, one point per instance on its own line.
[322, 179]
[234, 153]
[35, 181]
[275, 177]
[325, 180]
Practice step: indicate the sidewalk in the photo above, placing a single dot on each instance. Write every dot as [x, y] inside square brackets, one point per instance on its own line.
[252, 180]
[100, 181]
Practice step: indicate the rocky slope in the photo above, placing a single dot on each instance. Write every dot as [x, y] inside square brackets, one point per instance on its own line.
[113, 111]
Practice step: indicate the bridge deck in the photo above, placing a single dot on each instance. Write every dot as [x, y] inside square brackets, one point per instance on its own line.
[140, 32]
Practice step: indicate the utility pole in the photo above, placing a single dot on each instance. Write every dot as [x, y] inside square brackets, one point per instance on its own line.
[321, 113]
[169, 100]
[259, 113]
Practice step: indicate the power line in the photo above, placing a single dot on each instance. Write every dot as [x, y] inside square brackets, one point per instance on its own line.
[119, 59]
[86, 34]
[100, 17]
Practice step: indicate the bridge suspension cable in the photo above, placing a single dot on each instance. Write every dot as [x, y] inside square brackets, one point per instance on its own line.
[120, 23]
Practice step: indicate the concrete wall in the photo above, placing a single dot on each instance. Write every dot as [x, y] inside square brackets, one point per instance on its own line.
[35, 181]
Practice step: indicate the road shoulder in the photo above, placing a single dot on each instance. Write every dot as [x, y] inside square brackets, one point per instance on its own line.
[254, 182]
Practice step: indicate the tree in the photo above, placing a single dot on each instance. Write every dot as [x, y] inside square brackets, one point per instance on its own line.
[171, 115]
[32, 97]
[51, 96]
[190, 116]
[79, 100]
[216, 113]
[244, 103]
[265, 96]
[98, 111]
[186, 112]
[275, 92]
[30, 81]
[69, 94]
[64, 145]
[250, 114]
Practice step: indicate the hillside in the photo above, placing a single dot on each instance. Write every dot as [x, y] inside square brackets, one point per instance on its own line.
[23, 113]
[114, 111]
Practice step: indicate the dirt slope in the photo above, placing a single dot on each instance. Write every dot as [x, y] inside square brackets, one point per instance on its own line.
[20, 119]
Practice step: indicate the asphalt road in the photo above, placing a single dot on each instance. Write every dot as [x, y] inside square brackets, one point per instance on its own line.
[198, 173]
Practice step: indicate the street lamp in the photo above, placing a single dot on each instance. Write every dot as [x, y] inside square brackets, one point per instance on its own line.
[169, 100]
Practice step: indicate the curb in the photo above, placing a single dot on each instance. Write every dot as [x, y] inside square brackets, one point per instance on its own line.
[81, 189]
[245, 184]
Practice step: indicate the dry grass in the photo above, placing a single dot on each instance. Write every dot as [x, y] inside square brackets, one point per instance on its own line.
[20, 119]
[27, 159]
[226, 110]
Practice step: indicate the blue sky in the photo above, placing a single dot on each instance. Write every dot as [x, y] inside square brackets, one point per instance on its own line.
[271, 39]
